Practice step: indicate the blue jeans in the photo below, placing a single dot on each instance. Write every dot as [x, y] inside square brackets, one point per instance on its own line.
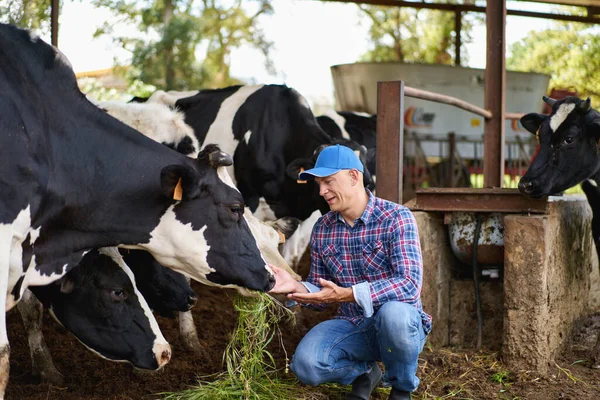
[338, 351]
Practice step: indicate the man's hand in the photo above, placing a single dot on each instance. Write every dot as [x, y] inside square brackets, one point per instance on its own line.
[329, 293]
[284, 282]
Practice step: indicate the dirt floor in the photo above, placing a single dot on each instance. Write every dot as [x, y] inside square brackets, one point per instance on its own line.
[444, 372]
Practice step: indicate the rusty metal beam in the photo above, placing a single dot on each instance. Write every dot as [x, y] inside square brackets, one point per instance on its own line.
[494, 96]
[477, 200]
[470, 8]
[442, 98]
[54, 22]
[390, 139]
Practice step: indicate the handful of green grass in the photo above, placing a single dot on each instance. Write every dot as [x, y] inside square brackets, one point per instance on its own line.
[251, 369]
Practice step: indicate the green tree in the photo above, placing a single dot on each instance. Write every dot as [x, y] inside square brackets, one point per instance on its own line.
[407, 34]
[172, 32]
[28, 14]
[568, 52]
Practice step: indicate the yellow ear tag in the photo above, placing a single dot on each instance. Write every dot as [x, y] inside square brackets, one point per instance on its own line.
[178, 192]
[537, 134]
[299, 181]
[281, 237]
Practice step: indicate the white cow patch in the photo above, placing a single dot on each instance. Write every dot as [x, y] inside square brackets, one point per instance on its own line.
[561, 115]
[362, 114]
[21, 227]
[221, 131]
[114, 254]
[170, 98]
[171, 239]
[296, 245]
[267, 239]
[224, 176]
[264, 212]
[247, 136]
[339, 121]
[155, 120]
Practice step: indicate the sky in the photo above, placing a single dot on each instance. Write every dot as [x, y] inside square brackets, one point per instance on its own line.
[309, 37]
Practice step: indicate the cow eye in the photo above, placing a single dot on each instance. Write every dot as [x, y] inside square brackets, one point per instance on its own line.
[118, 294]
[569, 140]
[235, 210]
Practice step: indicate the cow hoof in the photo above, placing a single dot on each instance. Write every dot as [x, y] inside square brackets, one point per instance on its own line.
[51, 376]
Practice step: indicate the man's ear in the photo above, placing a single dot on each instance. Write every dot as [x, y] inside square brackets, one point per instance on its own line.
[532, 121]
[180, 182]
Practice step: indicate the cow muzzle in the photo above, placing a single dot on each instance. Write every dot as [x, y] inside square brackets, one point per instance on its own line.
[162, 353]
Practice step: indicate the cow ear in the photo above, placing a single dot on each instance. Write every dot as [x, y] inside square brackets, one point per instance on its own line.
[594, 128]
[180, 182]
[298, 165]
[532, 121]
[286, 226]
[67, 285]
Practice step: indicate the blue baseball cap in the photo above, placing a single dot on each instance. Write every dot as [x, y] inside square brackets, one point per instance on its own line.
[331, 160]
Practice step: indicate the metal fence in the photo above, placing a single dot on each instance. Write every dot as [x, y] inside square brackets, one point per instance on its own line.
[457, 161]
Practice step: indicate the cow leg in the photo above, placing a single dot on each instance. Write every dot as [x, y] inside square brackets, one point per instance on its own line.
[5, 242]
[31, 311]
[596, 354]
[189, 335]
[187, 328]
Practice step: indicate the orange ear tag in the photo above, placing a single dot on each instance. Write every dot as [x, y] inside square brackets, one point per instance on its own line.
[178, 192]
[299, 181]
[281, 237]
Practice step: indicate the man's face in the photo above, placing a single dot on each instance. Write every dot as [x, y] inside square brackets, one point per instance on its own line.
[337, 190]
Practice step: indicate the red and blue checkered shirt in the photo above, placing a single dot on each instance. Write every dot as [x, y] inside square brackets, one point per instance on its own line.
[379, 257]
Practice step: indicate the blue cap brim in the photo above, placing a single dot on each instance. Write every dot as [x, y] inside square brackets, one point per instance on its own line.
[319, 172]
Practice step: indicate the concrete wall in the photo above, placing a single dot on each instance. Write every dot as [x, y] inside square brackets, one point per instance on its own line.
[548, 262]
[550, 280]
[437, 258]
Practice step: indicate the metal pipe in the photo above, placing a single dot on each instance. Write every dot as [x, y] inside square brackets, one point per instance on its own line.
[442, 98]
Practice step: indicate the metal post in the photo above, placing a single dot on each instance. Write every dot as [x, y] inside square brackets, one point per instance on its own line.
[495, 83]
[451, 155]
[54, 22]
[390, 140]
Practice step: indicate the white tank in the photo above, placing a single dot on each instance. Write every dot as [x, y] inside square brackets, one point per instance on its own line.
[356, 90]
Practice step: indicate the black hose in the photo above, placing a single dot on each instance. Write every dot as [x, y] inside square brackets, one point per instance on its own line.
[476, 281]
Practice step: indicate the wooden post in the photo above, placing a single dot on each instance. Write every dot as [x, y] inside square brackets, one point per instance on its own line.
[457, 41]
[495, 83]
[390, 140]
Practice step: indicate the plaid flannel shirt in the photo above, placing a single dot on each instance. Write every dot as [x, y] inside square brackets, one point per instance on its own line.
[379, 257]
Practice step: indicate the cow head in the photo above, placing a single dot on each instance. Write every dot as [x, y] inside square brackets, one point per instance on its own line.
[98, 302]
[204, 234]
[165, 290]
[568, 152]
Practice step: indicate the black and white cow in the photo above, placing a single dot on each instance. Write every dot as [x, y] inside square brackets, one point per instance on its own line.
[569, 142]
[265, 127]
[569, 153]
[99, 303]
[175, 133]
[358, 127]
[74, 178]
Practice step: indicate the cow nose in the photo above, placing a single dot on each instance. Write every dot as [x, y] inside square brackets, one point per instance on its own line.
[162, 353]
[526, 187]
[192, 300]
[271, 282]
